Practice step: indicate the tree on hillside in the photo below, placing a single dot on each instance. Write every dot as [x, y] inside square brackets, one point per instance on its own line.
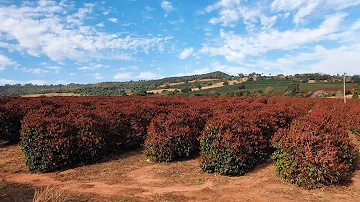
[198, 85]
[355, 79]
[186, 89]
[269, 90]
[355, 95]
[241, 86]
[140, 93]
[293, 88]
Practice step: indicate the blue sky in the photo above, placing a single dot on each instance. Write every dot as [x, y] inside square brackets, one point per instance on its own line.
[53, 42]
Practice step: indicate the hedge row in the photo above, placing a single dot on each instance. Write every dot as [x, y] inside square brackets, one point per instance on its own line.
[235, 142]
[174, 135]
[55, 137]
[10, 121]
[232, 134]
[314, 151]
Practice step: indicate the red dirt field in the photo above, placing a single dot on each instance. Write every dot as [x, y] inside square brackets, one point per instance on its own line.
[129, 177]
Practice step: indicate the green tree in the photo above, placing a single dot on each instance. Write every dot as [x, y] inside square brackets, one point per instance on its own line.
[293, 88]
[355, 95]
[269, 90]
[186, 89]
[357, 88]
[198, 85]
[140, 93]
[231, 94]
[241, 86]
[171, 93]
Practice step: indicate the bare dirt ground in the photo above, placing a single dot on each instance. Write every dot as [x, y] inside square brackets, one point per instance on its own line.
[129, 177]
[215, 85]
[160, 90]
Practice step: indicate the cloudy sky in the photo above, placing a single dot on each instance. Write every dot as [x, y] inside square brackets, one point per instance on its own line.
[52, 42]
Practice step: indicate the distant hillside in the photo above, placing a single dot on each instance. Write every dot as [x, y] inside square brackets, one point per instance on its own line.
[104, 88]
[214, 83]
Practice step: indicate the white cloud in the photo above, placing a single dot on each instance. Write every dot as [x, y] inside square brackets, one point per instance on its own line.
[286, 5]
[45, 30]
[224, 4]
[36, 71]
[227, 17]
[340, 5]
[286, 15]
[233, 70]
[55, 68]
[123, 76]
[268, 22]
[148, 9]
[305, 11]
[12, 82]
[167, 6]
[5, 61]
[186, 53]
[133, 67]
[174, 22]
[322, 60]
[92, 66]
[114, 20]
[230, 11]
[106, 12]
[356, 25]
[37, 82]
[194, 72]
[128, 24]
[101, 24]
[147, 75]
[7, 81]
[304, 8]
[338, 60]
[98, 76]
[201, 71]
[235, 47]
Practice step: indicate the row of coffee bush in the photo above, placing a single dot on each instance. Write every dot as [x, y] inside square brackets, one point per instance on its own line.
[311, 153]
[308, 138]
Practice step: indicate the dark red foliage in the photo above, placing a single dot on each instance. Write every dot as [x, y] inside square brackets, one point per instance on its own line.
[11, 113]
[233, 143]
[62, 131]
[315, 150]
[56, 137]
[174, 135]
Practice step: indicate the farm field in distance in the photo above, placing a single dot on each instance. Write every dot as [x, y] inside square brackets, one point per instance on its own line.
[214, 83]
[173, 148]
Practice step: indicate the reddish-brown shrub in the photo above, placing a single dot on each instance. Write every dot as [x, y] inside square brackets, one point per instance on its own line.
[173, 136]
[53, 138]
[314, 151]
[11, 114]
[233, 143]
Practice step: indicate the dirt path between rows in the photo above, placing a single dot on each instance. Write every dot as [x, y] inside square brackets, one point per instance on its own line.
[130, 175]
